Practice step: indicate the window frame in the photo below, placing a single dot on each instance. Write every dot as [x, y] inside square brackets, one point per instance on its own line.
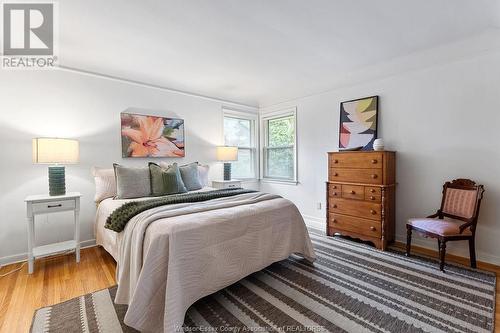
[264, 140]
[254, 138]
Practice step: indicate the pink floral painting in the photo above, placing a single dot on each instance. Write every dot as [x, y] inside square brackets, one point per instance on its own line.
[151, 136]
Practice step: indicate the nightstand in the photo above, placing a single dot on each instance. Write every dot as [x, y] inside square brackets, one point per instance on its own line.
[220, 184]
[46, 204]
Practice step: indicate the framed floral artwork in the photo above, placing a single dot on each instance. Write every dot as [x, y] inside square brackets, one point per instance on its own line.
[151, 136]
[358, 123]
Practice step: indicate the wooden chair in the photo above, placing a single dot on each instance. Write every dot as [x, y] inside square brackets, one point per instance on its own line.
[455, 220]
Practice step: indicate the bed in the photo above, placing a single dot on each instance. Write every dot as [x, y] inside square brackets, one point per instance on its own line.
[170, 256]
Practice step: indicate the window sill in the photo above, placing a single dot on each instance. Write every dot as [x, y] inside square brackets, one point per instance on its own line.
[279, 181]
[248, 180]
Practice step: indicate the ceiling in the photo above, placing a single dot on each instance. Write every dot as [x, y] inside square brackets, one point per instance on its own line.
[257, 52]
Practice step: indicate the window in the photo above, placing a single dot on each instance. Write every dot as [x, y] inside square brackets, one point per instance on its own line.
[240, 131]
[279, 146]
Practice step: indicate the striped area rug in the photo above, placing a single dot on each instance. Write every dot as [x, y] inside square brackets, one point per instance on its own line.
[350, 288]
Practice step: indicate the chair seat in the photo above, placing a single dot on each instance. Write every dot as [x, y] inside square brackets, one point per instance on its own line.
[445, 227]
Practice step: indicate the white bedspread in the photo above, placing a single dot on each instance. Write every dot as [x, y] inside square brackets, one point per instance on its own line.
[171, 256]
[106, 238]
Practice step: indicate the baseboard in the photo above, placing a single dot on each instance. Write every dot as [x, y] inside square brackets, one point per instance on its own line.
[315, 222]
[88, 243]
[24, 256]
[425, 243]
[418, 250]
[430, 245]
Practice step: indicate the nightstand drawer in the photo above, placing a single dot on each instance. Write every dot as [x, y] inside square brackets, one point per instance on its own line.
[222, 184]
[53, 206]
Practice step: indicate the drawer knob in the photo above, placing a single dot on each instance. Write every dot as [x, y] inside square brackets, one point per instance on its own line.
[374, 176]
[334, 220]
[374, 161]
[335, 161]
[373, 212]
[334, 193]
[335, 174]
[353, 192]
[334, 186]
[372, 190]
[372, 198]
[372, 228]
[334, 206]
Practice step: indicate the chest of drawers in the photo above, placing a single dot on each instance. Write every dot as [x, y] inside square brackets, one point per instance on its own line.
[360, 194]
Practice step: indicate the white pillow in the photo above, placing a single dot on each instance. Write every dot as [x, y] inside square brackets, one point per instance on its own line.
[202, 172]
[105, 183]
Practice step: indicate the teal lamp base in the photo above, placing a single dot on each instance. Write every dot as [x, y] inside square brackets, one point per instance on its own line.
[227, 171]
[57, 182]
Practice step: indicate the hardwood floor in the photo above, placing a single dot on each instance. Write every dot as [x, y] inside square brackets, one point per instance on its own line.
[54, 280]
[60, 278]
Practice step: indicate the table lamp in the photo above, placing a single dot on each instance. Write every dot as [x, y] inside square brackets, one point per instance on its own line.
[55, 151]
[227, 154]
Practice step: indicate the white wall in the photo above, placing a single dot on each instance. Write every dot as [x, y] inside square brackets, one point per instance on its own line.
[443, 121]
[69, 104]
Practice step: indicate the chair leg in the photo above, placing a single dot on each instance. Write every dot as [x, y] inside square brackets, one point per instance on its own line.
[439, 248]
[442, 254]
[472, 253]
[408, 240]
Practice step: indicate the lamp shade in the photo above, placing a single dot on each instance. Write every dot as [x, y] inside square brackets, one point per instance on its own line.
[55, 151]
[226, 153]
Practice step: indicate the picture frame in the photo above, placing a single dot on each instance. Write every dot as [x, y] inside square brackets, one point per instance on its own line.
[358, 125]
[151, 136]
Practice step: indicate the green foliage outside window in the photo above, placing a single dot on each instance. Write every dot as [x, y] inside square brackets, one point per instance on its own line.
[280, 154]
[238, 133]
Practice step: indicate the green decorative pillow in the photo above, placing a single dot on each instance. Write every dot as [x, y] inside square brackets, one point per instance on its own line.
[166, 180]
[190, 176]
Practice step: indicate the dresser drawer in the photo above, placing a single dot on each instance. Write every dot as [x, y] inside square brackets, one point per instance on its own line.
[368, 160]
[373, 194]
[353, 192]
[334, 190]
[364, 209]
[368, 176]
[355, 224]
[53, 206]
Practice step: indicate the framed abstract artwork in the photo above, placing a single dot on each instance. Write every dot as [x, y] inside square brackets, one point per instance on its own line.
[151, 136]
[358, 123]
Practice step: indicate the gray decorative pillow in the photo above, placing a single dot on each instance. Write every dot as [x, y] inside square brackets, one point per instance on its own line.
[132, 182]
[166, 180]
[190, 176]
